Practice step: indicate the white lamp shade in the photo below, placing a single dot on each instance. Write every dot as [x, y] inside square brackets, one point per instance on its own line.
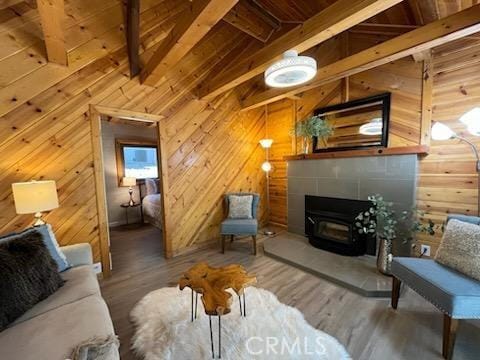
[472, 120]
[470, 117]
[442, 132]
[35, 196]
[129, 181]
[266, 166]
[266, 143]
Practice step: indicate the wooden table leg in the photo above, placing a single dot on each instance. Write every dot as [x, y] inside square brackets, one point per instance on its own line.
[396, 284]
[449, 333]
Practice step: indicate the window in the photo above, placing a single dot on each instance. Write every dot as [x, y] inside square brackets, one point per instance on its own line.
[136, 159]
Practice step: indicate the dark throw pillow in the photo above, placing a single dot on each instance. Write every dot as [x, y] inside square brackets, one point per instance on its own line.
[28, 275]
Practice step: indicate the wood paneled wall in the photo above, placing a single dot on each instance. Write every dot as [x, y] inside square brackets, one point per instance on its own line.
[45, 131]
[447, 181]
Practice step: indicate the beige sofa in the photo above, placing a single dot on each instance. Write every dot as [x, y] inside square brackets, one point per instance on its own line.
[74, 314]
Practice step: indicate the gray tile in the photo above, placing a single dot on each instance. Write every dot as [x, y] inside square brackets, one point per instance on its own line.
[358, 274]
[362, 168]
[394, 190]
[296, 229]
[296, 218]
[402, 166]
[296, 201]
[298, 185]
[339, 188]
[327, 168]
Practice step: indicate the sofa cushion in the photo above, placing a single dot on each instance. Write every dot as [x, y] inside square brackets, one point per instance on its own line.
[80, 282]
[50, 241]
[450, 291]
[239, 227]
[460, 248]
[54, 334]
[28, 276]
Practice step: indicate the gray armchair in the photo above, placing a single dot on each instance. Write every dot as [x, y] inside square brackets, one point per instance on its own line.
[237, 227]
[453, 293]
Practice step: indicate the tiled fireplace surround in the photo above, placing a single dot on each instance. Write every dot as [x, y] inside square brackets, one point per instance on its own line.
[393, 177]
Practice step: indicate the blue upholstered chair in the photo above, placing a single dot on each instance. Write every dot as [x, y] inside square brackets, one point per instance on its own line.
[236, 227]
[454, 294]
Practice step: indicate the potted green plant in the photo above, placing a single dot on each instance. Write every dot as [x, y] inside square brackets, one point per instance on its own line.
[381, 220]
[314, 126]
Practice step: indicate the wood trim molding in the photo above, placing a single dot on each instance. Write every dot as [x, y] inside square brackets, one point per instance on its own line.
[100, 190]
[436, 33]
[427, 100]
[96, 113]
[404, 150]
[119, 159]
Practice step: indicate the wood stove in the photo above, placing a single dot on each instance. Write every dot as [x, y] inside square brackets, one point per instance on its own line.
[330, 225]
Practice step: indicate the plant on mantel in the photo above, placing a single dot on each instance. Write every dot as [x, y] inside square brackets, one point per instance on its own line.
[314, 126]
[381, 220]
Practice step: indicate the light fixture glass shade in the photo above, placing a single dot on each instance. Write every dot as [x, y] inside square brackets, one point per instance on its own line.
[442, 132]
[291, 70]
[129, 181]
[266, 143]
[374, 127]
[35, 196]
[471, 116]
[472, 120]
[266, 166]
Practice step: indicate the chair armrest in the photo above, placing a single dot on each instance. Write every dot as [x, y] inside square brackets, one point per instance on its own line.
[78, 254]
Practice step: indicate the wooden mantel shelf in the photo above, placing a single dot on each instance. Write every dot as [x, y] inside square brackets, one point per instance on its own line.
[419, 150]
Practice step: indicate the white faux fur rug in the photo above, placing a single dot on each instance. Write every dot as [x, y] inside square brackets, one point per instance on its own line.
[271, 330]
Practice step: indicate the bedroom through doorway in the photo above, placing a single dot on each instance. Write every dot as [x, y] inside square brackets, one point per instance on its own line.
[129, 164]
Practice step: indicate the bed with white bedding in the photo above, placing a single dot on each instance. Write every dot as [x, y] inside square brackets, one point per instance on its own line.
[152, 205]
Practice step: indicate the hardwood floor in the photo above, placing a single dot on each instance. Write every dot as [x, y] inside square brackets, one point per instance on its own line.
[368, 327]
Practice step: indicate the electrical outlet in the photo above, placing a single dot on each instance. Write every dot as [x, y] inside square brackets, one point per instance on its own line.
[425, 250]
[97, 268]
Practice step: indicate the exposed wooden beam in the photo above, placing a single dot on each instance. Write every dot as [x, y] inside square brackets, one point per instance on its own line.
[252, 20]
[133, 36]
[331, 21]
[52, 17]
[382, 29]
[439, 32]
[194, 23]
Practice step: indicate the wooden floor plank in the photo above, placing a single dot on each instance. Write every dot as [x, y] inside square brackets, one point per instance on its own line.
[368, 327]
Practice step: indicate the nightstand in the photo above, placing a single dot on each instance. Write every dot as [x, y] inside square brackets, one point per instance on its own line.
[127, 206]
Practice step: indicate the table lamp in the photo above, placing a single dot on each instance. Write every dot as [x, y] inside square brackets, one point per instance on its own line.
[130, 182]
[34, 197]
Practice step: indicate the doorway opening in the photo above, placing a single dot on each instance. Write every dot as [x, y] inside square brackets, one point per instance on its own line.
[130, 175]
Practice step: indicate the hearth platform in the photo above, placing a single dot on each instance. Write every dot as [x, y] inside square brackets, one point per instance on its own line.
[358, 274]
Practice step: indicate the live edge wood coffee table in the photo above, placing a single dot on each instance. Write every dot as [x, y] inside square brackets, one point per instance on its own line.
[212, 284]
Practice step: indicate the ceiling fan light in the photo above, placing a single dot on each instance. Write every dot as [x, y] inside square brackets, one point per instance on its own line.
[291, 70]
